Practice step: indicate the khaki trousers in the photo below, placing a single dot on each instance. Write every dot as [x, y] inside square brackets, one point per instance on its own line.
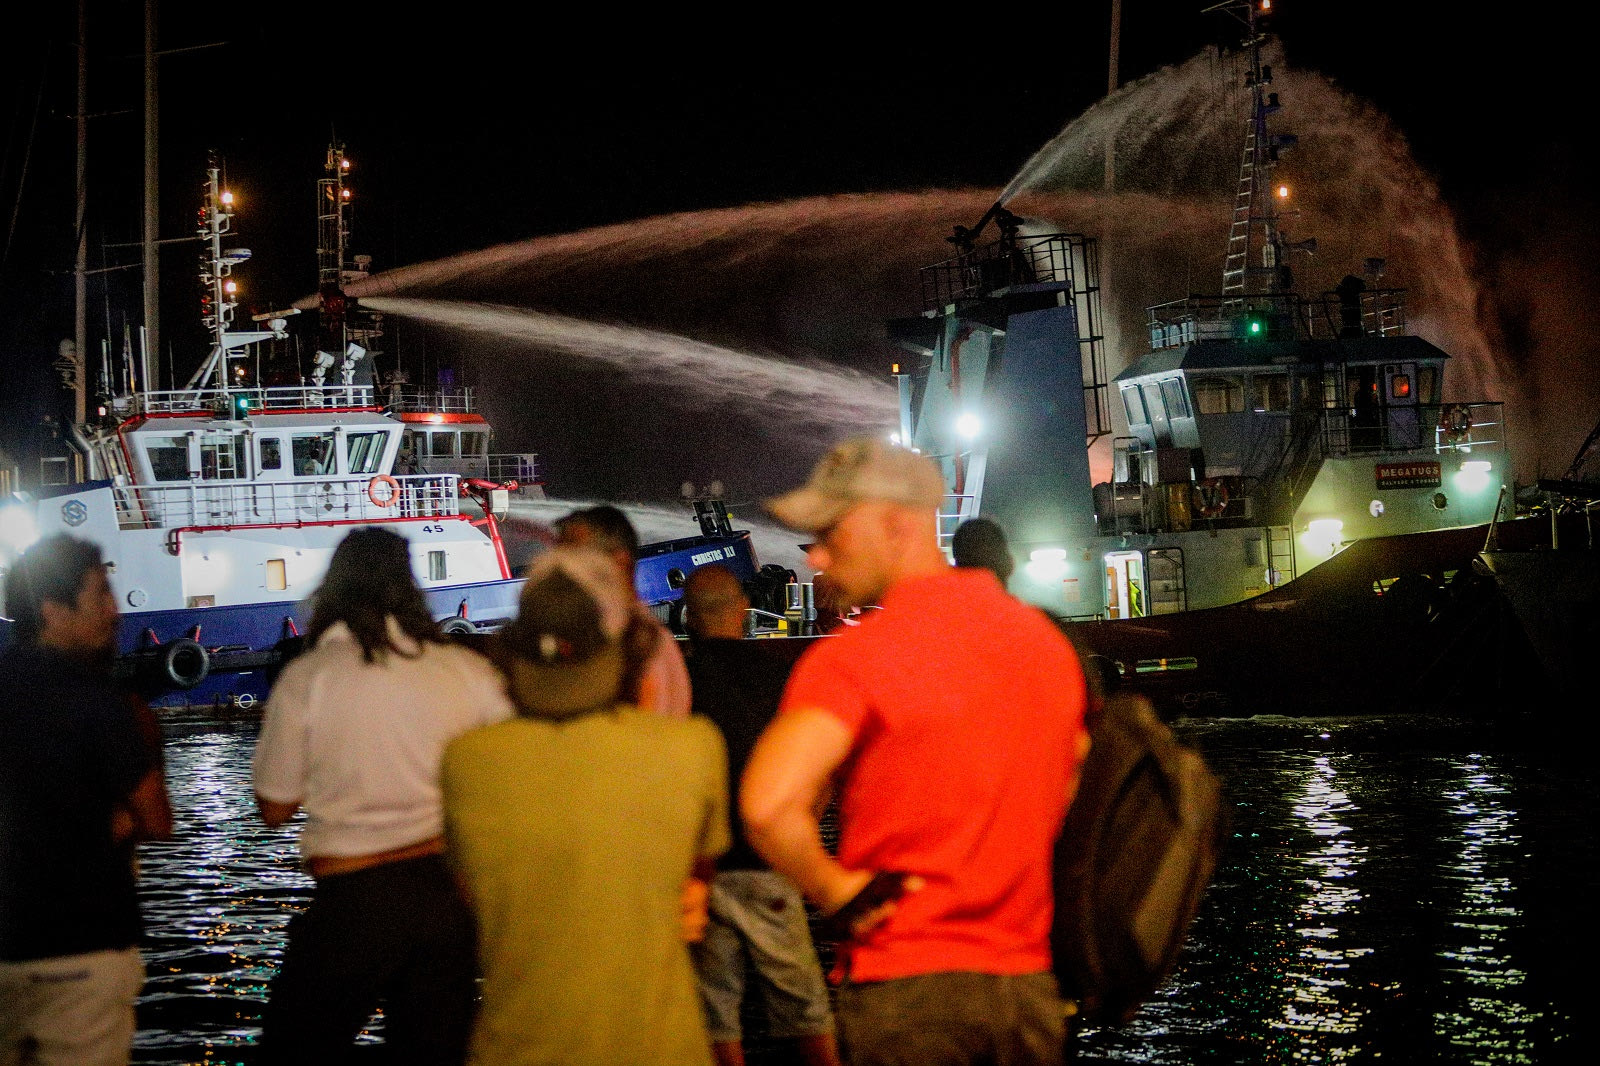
[73, 1010]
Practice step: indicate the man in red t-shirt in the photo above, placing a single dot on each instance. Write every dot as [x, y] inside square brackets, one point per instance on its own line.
[951, 723]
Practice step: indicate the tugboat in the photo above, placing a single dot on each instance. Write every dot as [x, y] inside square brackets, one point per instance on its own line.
[219, 505]
[1288, 460]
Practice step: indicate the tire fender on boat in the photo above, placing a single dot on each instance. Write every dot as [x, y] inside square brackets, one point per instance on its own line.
[185, 662]
[456, 625]
[388, 498]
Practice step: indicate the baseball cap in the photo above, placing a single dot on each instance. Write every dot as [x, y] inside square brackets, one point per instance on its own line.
[566, 641]
[855, 471]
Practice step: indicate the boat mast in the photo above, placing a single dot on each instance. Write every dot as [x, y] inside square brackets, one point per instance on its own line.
[333, 231]
[80, 272]
[1256, 260]
[216, 218]
[150, 347]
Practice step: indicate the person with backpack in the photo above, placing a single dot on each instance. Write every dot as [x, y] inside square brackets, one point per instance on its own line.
[951, 723]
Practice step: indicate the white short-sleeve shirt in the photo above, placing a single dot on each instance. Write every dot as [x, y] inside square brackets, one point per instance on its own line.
[358, 744]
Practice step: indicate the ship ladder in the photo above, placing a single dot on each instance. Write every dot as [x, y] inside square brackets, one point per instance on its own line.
[1280, 554]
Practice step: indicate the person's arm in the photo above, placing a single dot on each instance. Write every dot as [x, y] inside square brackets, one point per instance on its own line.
[278, 771]
[273, 812]
[148, 805]
[787, 776]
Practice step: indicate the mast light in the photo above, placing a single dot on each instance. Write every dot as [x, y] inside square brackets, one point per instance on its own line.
[227, 199]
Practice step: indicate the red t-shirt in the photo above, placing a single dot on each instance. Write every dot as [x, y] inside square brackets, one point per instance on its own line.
[967, 706]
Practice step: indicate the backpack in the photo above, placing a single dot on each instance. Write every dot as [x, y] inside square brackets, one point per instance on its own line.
[1135, 854]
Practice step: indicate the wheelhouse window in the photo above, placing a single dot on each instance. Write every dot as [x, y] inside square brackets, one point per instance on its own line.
[474, 443]
[1218, 396]
[365, 451]
[443, 444]
[224, 457]
[1134, 403]
[1427, 384]
[313, 454]
[169, 458]
[1272, 392]
[1177, 399]
[269, 450]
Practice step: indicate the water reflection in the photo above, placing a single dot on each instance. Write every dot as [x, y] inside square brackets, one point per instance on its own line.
[1380, 895]
[1478, 965]
[1316, 976]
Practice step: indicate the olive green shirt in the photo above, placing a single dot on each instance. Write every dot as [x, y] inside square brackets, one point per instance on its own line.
[574, 838]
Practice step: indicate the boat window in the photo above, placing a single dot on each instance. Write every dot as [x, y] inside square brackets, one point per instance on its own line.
[1218, 396]
[223, 457]
[1152, 403]
[443, 443]
[1272, 392]
[271, 451]
[1135, 406]
[365, 451]
[1177, 399]
[436, 566]
[474, 443]
[169, 458]
[1427, 384]
[277, 575]
[312, 453]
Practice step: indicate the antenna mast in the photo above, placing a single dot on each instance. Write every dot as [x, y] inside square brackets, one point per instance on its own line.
[1256, 261]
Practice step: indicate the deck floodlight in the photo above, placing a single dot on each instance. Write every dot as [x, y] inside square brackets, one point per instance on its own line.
[968, 425]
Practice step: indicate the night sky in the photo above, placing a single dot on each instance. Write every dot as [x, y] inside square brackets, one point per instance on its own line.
[476, 125]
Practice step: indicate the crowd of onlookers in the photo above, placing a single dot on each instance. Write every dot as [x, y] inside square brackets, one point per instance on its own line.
[568, 842]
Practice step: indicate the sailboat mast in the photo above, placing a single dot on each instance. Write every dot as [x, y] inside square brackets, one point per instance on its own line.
[151, 345]
[80, 271]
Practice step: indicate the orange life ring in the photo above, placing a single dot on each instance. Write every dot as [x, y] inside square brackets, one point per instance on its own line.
[1211, 498]
[389, 499]
[1455, 422]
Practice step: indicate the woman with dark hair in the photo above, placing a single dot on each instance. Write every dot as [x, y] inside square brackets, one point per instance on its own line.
[354, 733]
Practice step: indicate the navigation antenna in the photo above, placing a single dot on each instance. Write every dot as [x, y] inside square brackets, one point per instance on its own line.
[1256, 261]
[220, 291]
[344, 333]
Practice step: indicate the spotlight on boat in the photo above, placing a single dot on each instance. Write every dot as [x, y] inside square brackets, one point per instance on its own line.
[1473, 475]
[1047, 564]
[18, 529]
[968, 425]
[1323, 536]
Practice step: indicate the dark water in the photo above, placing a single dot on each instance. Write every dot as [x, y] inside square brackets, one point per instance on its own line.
[1403, 889]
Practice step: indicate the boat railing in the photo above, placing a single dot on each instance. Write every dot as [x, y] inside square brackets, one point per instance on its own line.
[955, 509]
[279, 503]
[1276, 316]
[1448, 427]
[270, 398]
[443, 399]
[1051, 259]
[521, 467]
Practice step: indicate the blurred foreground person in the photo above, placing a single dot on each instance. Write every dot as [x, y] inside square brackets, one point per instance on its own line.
[754, 912]
[80, 784]
[662, 685]
[952, 722]
[354, 732]
[573, 828]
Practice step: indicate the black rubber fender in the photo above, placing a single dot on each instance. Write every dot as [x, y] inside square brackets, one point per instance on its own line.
[185, 662]
[457, 626]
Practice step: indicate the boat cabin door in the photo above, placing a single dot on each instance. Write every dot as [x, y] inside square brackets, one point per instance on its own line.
[1127, 593]
[1400, 398]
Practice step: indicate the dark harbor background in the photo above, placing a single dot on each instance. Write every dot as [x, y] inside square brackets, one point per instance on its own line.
[1406, 888]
